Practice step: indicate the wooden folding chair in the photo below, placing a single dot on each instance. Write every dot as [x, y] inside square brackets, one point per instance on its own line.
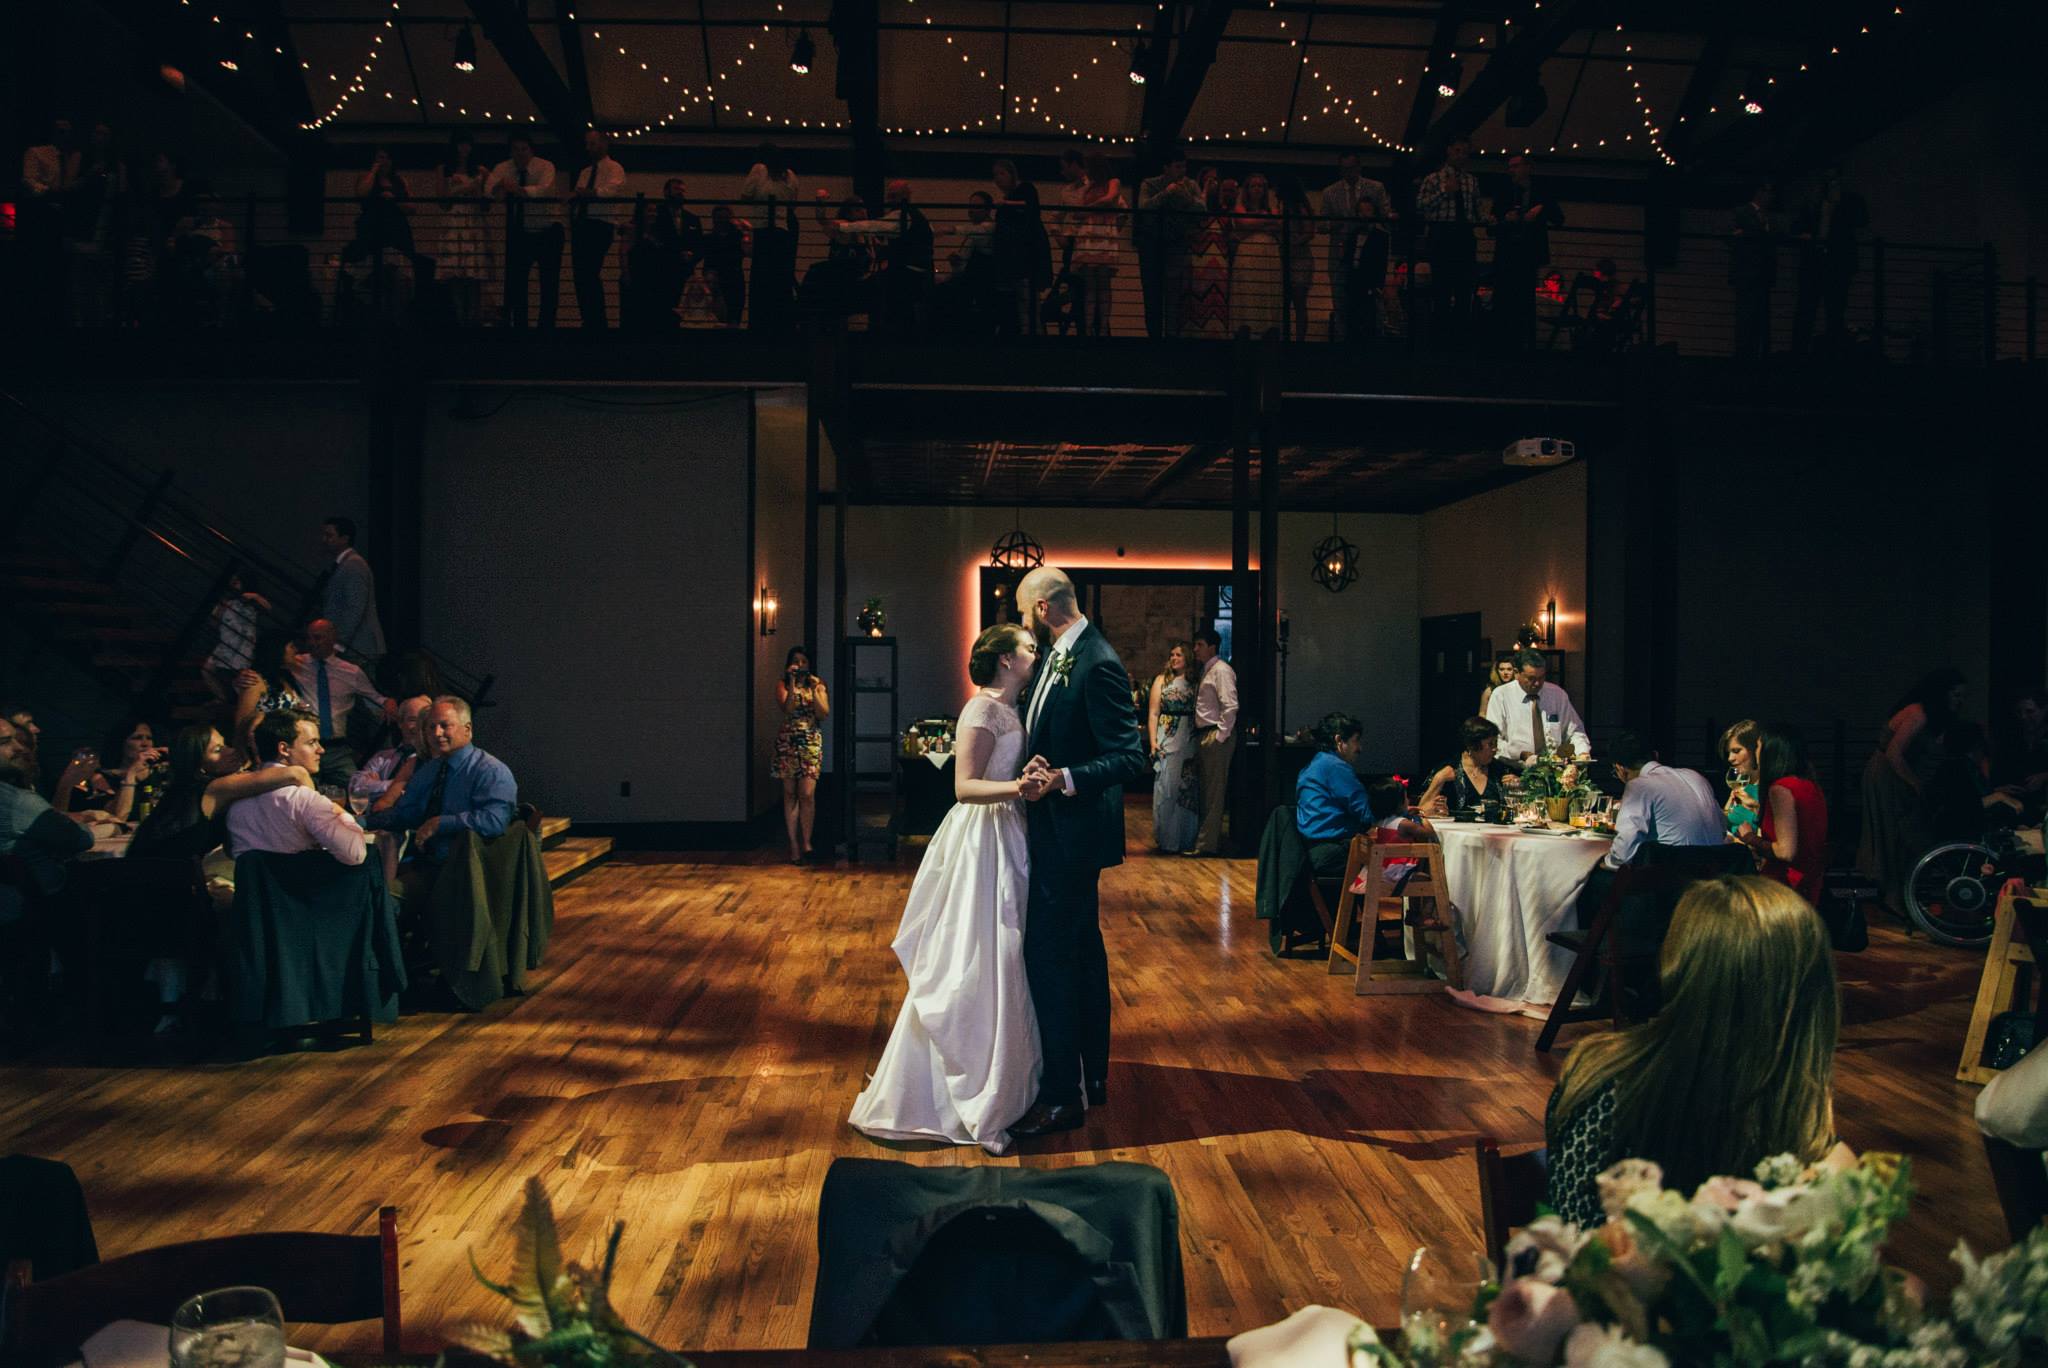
[1600, 945]
[321, 1279]
[1394, 910]
[1510, 1189]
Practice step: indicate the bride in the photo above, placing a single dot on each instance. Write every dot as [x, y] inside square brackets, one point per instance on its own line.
[963, 1061]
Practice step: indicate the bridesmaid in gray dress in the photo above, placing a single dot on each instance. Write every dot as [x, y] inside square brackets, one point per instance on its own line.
[1176, 805]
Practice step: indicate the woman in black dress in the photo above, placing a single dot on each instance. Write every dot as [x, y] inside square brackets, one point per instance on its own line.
[1474, 776]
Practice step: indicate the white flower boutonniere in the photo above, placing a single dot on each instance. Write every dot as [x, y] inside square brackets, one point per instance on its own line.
[1062, 667]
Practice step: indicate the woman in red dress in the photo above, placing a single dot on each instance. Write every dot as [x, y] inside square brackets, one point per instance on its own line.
[1792, 841]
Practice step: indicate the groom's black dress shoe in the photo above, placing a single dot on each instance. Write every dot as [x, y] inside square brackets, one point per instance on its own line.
[1044, 1120]
[1098, 1092]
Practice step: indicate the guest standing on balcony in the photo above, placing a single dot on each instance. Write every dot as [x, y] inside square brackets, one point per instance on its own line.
[534, 236]
[1205, 312]
[668, 241]
[1215, 737]
[768, 199]
[1170, 208]
[1447, 199]
[1299, 219]
[1827, 261]
[592, 203]
[383, 223]
[348, 595]
[1023, 251]
[1524, 213]
[1355, 212]
[1752, 270]
[725, 264]
[1098, 232]
[1255, 286]
[467, 252]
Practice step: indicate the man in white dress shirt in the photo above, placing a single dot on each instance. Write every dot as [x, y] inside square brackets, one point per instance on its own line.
[591, 224]
[335, 687]
[1354, 205]
[1215, 738]
[1535, 717]
[286, 821]
[528, 182]
[1660, 804]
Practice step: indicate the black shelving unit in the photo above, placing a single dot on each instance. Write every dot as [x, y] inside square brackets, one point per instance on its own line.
[868, 735]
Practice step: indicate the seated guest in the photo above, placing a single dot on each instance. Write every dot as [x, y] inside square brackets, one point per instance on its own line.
[1659, 803]
[24, 719]
[1792, 841]
[1535, 717]
[1737, 1067]
[1330, 802]
[1958, 802]
[267, 686]
[462, 788]
[334, 687]
[1738, 743]
[2014, 1106]
[291, 819]
[88, 790]
[1468, 781]
[1394, 823]
[30, 829]
[395, 764]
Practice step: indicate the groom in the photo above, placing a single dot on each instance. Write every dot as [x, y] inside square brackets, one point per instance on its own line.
[1082, 734]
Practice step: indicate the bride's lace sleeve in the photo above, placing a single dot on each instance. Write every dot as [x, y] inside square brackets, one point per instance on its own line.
[980, 713]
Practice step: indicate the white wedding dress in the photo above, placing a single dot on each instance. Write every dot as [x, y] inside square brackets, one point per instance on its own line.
[963, 1061]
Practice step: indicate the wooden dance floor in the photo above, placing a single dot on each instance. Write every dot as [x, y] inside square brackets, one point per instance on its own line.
[686, 1061]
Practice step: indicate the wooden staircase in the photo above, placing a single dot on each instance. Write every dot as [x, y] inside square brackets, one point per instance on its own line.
[567, 856]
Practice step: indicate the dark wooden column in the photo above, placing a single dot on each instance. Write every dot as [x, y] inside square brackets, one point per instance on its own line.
[1244, 585]
[1648, 559]
[2016, 597]
[396, 391]
[1268, 696]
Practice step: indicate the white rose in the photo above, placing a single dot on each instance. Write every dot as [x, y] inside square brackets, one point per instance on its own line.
[1783, 1214]
[1670, 1213]
[1623, 1181]
[1544, 1249]
[1605, 1346]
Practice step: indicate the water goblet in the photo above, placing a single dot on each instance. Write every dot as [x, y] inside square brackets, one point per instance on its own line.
[232, 1327]
[1439, 1293]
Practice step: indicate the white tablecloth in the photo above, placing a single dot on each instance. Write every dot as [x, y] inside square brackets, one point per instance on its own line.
[1512, 888]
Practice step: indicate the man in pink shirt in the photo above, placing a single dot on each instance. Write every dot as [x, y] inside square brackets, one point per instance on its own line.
[286, 821]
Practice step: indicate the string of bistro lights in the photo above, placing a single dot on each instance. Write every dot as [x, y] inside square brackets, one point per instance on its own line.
[1751, 99]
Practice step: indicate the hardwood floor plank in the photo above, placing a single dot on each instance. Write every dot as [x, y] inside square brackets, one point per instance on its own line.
[686, 1060]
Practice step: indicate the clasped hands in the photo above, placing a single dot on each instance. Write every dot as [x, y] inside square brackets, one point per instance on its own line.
[1038, 779]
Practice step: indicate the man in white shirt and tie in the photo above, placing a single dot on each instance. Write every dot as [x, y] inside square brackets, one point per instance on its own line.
[1215, 738]
[527, 183]
[591, 226]
[1535, 717]
[288, 820]
[334, 687]
[1660, 805]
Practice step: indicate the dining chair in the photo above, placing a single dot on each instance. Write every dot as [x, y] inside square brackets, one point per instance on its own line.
[1511, 1187]
[317, 1279]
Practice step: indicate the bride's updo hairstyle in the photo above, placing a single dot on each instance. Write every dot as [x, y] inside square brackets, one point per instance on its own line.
[989, 649]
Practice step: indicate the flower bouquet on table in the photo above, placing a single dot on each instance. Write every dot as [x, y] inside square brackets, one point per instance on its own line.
[1785, 1268]
[563, 1314]
[1558, 782]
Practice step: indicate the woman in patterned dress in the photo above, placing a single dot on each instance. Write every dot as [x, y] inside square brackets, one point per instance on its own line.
[800, 748]
[1206, 310]
[467, 260]
[1176, 800]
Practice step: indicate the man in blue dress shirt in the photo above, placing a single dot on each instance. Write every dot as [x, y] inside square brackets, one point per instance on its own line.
[1330, 803]
[463, 788]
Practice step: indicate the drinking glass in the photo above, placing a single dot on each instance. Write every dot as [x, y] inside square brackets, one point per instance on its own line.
[1438, 1293]
[359, 795]
[232, 1327]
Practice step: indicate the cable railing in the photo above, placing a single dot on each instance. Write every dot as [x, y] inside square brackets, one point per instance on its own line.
[966, 271]
[130, 525]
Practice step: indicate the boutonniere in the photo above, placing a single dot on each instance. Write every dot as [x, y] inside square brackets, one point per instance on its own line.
[1062, 667]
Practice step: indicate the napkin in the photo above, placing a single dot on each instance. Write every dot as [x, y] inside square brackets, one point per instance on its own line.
[1313, 1337]
[138, 1344]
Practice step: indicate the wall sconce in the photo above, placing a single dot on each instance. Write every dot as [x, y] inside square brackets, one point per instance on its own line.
[1550, 623]
[768, 609]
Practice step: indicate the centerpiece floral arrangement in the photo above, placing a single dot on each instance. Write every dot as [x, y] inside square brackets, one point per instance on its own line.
[563, 1315]
[1558, 776]
[1785, 1268]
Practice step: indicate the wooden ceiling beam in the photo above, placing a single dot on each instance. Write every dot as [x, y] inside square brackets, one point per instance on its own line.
[504, 22]
[1505, 73]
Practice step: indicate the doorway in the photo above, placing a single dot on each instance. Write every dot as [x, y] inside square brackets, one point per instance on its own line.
[1454, 659]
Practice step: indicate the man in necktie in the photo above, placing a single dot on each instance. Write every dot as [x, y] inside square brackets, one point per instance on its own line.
[1535, 717]
[527, 185]
[1524, 216]
[462, 788]
[601, 180]
[337, 687]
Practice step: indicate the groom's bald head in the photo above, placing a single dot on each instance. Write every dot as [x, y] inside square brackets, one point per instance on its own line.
[1046, 598]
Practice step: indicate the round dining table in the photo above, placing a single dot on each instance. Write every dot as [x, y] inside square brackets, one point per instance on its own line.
[1512, 887]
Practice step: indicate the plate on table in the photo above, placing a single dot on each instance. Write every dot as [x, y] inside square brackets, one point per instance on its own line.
[1549, 830]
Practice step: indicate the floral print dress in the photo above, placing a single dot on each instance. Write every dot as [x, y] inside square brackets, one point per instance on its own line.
[800, 745]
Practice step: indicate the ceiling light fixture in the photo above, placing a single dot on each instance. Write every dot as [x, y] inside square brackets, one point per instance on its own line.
[1336, 567]
[1448, 76]
[465, 50]
[1139, 54]
[802, 53]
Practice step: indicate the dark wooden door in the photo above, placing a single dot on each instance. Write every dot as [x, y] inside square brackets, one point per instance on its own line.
[1453, 659]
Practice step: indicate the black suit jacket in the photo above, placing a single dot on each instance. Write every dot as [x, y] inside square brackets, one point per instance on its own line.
[1088, 727]
[1525, 242]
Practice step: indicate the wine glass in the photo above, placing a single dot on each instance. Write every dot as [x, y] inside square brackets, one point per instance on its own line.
[233, 1327]
[359, 795]
[1439, 1293]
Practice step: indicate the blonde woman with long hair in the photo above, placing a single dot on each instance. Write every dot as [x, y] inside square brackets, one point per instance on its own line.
[1739, 1065]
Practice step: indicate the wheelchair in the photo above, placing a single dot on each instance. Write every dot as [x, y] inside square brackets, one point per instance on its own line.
[1952, 893]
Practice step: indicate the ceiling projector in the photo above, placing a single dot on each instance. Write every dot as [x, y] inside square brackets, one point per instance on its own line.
[1538, 451]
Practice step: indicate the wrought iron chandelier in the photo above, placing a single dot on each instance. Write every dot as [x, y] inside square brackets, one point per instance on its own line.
[1016, 551]
[1336, 567]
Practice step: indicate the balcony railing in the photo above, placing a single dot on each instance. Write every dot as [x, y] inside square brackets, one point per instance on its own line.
[245, 264]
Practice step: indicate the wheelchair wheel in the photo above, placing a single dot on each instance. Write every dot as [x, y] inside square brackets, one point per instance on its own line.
[1953, 893]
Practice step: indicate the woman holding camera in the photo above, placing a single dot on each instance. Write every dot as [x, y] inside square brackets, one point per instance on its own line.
[800, 748]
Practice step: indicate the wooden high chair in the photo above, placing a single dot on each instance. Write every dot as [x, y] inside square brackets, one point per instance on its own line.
[1422, 904]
